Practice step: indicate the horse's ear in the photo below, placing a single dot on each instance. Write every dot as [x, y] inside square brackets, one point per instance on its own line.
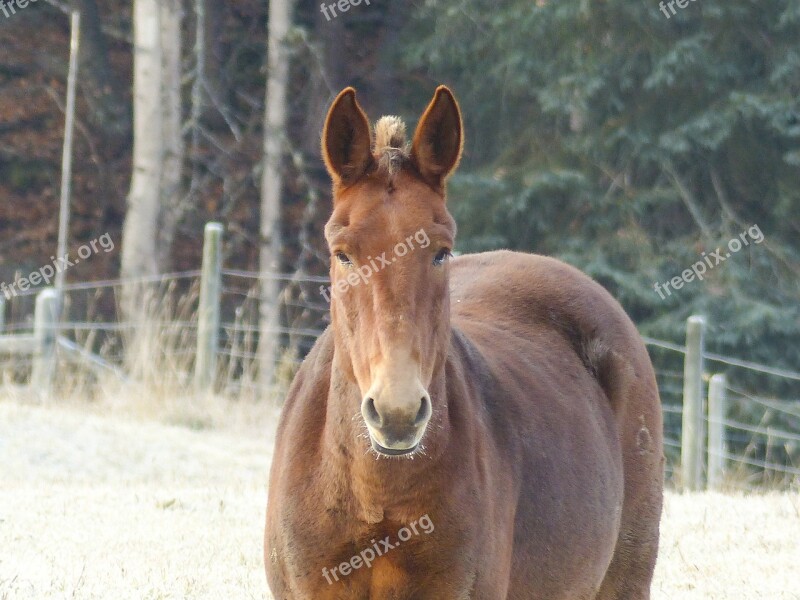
[346, 139]
[439, 139]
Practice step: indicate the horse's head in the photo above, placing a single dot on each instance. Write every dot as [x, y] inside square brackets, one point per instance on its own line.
[390, 237]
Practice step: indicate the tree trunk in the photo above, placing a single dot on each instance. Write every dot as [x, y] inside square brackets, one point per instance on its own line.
[280, 12]
[171, 189]
[153, 201]
[139, 252]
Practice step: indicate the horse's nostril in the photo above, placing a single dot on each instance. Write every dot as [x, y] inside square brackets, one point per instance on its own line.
[371, 414]
[424, 411]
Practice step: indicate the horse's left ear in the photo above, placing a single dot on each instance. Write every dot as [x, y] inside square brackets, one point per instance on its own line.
[346, 139]
[439, 139]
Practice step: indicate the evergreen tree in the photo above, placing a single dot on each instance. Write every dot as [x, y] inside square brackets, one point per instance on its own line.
[628, 144]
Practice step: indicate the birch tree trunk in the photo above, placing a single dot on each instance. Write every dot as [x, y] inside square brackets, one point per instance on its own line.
[154, 197]
[280, 12]
[153, 201]
[139, 254]
[172, 150]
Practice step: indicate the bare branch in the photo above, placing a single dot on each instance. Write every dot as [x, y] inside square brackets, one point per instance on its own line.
[688, 199]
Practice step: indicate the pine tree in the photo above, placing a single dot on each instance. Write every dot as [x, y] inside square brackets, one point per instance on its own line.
[629, 144]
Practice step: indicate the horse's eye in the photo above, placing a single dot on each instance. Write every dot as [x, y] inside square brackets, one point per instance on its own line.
[344, 259]
[441, 256]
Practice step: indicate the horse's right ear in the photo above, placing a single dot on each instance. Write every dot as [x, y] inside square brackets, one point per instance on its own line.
[346, 139]
[439, 139]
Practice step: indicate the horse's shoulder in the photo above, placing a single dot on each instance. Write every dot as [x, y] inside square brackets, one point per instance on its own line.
[308, 391]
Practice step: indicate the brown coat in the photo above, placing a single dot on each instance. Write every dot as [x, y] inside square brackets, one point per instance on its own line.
[506, 397]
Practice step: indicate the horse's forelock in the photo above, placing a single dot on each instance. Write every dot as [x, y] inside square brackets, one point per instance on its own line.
[391, 147]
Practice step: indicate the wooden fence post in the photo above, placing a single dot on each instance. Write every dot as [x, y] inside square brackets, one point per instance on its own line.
[45, 321]
[205, 366]
[692, 435]
[717, 412]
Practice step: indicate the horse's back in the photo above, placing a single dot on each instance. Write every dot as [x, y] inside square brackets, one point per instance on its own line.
[529, 291]
[540, 299]
[568, 350]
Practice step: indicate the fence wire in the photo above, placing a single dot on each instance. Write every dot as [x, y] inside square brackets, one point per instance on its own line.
[305, 316]
[751, 449]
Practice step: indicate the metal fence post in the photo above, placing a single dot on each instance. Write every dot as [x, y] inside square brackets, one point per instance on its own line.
[717, 412]
[2, 313]
[692, 436]
[208, 314]
[45, 321]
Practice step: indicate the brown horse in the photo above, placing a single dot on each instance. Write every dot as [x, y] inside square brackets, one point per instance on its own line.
[486, 427]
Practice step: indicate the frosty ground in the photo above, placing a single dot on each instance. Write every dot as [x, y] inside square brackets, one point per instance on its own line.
[103, 504]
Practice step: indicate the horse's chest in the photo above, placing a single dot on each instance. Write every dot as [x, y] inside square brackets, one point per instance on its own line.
[382, 568]
[386, 579]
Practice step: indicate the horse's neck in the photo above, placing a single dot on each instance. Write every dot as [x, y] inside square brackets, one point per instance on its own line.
[358, 478]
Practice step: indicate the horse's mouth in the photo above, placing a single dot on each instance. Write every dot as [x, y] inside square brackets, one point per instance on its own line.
[392, 452]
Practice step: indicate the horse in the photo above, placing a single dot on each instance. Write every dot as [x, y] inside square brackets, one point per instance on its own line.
[484, 427]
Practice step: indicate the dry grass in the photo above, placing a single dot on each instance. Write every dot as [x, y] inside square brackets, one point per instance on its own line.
[93, 506]
[112, 502]
[729, 547]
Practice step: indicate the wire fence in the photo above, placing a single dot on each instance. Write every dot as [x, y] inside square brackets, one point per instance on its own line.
[761, 434]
